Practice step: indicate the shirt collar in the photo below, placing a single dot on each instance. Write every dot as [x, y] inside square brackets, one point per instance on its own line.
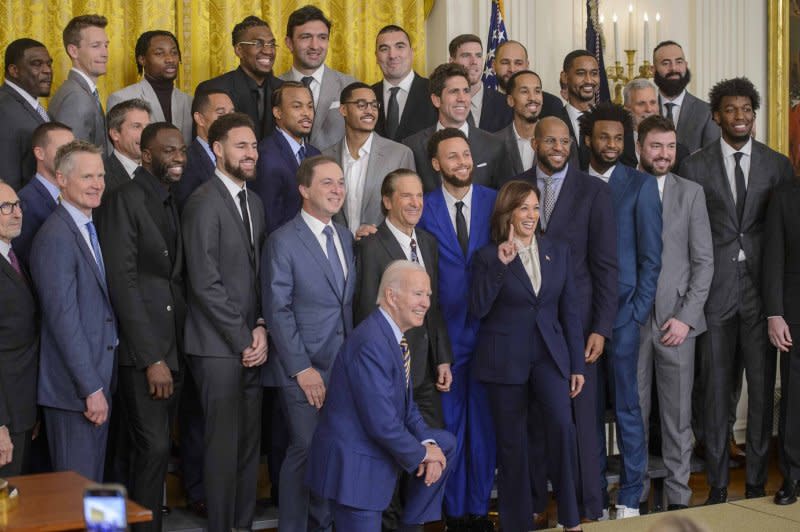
[557, 176]
[292, 143]
[573, 111]
[209, 151]
[398, 334]
[317, 74]
[77, 216]
[605, 175]
[478, 96]
[517, 135]
[233, 188]
[464, 128]
[129, 164]
[34, 102]
[5, 247]
[92, 85]
[405, 83]
[728, 150]
[401, 237]
[365, 148]
[316, 225]
[51, 188]
[451, 201]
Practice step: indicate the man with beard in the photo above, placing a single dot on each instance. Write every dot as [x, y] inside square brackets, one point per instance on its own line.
[737, 174]
[28, 76]
[511, 57]
[250, 86]
[691, 116]
[638, 213]
[143, 252]
[667, 338]
[157, 58]
[226, 337]
[366, 158]
[578, 209]
[457, 213]
[280, 154]
[308, 282]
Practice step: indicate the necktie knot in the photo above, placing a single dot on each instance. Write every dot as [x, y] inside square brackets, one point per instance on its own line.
[306, 80]
[738, 156]
[459, 206]
[393, 91]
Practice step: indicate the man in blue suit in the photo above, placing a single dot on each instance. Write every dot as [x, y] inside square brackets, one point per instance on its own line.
[638, 210]
[308, 285]
[280, 154]
[40, 195]
[79, 331]
[457, 213]
[371, 429]
[577, 209]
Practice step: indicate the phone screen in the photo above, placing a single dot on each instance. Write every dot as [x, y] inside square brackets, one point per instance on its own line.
[104, 510]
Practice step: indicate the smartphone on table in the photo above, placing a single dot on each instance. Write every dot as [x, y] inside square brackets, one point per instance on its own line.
[104, 508]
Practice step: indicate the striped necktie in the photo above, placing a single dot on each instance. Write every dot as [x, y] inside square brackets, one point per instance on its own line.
[406, 359]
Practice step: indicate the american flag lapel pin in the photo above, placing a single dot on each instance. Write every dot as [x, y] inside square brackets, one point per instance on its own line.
[547, 257]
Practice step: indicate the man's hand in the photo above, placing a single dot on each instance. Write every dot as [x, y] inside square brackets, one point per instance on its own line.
[594, 347]
[159, 378]
[575, 385]
[779, 335]
[433, 465]
[675, 332]
[6, 447]
[365, 230]
[444, 378]
[310, 381]
[96, 408]
[256, 353]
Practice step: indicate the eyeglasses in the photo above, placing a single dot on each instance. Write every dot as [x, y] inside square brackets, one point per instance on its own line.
[362, 105]
[8, 207]
[258, 44]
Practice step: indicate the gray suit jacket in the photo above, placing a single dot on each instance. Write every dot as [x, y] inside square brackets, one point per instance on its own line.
[181, 105]
[385, 156]
[224, 299]
[687, 256]
[695, 127]
[509, 138]
[17, 163]
[328, 122]
[75, 105]
[768, 168]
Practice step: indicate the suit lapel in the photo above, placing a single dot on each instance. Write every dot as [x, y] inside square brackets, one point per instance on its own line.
[80, 241]
[347, 250]
[309, 240]
[326, 97]
[720, 179]
[149, 95]
[286, 151]
[371, 183]
[442, 218]
[756, 161]
[44, 194]
[155, 209]
[480, 213]
[518, 269]
[619, 183]
[25, 105]
[390, 243]
[22, 281]
[566, 198]
[227, 199]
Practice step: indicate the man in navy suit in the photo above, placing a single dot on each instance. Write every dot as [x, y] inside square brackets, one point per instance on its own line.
[457, 214]
[280, 154]
[79, 330]
[207, 106]
[371, 429]
[40, 195]
[308, 285]
[577, 209]
[638, 211]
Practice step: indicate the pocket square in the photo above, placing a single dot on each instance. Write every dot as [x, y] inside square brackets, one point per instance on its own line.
[481, 165]
[334, 105]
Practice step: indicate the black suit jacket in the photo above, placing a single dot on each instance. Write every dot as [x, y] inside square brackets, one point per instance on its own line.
[781, 265]
[242, 90]
[144, 269]
[768, 169]
[116, 175]
[429, 344]
[418, 113]
[495, 111]
[199, 169]
[19, 350]
[17, 163]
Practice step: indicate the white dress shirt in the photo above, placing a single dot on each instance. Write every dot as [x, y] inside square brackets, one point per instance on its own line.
[317, 227]
[660, 183]
[730, 170]
[405, 241]
[464, 128]
[402, 94]
[355, 176]
[128, 164]
[450, 201]
[606, 176]
[574, 114]
[5, 248]
[525, 149]
[676, 111]
[233, 190]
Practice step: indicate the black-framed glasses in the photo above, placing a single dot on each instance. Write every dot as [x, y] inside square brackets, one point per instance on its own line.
[8, 207]
[362, 105]
[258, 44]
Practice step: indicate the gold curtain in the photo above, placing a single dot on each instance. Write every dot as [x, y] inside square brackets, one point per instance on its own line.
[203, 28]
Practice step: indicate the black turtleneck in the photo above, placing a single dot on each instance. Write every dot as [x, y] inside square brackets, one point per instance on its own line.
[163, 90]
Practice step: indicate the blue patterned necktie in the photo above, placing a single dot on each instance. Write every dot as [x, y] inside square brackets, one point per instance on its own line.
[98, 256]
[414, 255]
[406, 359]
[333, 258]
[301, 153]
[42, 112]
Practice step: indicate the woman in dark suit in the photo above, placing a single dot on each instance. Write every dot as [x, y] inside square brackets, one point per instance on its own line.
[530, 348]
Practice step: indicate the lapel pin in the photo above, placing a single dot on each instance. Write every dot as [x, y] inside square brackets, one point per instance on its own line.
[547, 257]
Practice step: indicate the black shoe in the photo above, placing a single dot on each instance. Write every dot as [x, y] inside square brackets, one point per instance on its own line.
[165, 510]
[457, 524]
[644, 508]
[787, 494]
[480, 523]
[672, 507]
[717, 496]
[198, 508]
[754, 492]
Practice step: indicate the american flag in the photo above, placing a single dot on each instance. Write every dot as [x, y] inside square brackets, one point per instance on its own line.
[594, 44]
[497, 35]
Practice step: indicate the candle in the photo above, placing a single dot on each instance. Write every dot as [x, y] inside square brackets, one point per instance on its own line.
[617, 54]
[658, 28]
[646, 39]
[631, 39]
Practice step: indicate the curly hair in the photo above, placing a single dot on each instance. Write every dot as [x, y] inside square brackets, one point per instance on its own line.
[604, 111]
[733, 87]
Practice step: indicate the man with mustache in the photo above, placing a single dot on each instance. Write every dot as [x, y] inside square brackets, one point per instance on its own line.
[691, 115]
[525, 97]
[667, 338]
[157, 58]
[226, 336]
[511, 57]
[366, 158]
[28, 76]
[143, 252]
[638, 213]
[738, 175]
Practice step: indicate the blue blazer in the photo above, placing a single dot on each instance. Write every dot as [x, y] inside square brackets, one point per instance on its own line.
[199, 169]
[584, 217]
[79, 330]
[276, 181]
[454, 268]
[638, 210]
[495, 112]
[370, 428]
[516, 322]
[38, 205]
[307, 317]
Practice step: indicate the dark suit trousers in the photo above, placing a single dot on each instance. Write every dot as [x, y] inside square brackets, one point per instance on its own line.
[511, 407]
[231, 399]
[76, 443]
[149, 424]
[20, 457]
[745, 330]
[191, 428]
[789, 420]
[300, 510]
